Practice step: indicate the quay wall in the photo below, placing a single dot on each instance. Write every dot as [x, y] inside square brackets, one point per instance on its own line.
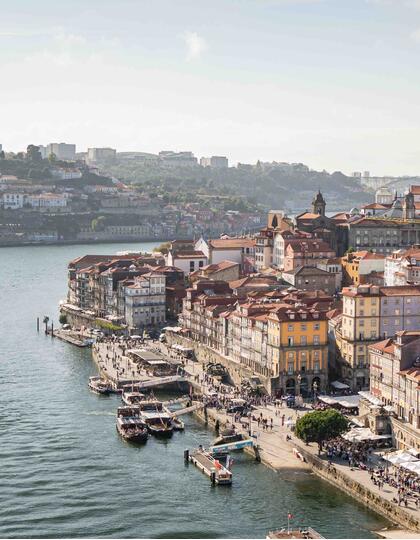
[77, 319]
[203, 354]
[359, 491]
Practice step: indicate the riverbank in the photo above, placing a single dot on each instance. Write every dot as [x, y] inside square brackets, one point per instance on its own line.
[280, 449]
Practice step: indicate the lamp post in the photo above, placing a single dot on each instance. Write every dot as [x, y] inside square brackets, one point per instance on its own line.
[299, 380]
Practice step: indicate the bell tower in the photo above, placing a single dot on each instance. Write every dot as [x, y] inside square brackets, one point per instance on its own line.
[318, 204]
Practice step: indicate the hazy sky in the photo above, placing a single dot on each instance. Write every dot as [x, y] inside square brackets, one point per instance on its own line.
[331, 83]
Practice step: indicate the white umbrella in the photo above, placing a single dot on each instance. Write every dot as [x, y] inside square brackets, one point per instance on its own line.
[413, 466]
[404, 457]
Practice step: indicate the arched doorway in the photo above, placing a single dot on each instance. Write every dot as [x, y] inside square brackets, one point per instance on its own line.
[291, 387]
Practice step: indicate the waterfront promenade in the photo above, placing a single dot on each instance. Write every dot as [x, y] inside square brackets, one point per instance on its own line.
[277, 442]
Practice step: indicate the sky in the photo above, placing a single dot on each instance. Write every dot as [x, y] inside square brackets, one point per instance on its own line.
[334, 84]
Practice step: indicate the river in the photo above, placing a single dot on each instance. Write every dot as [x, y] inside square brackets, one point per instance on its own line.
[66, 473]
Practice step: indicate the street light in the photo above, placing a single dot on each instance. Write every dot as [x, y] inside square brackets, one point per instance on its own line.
[299, 380]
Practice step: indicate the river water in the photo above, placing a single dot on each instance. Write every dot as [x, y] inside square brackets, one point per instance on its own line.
[65, 472]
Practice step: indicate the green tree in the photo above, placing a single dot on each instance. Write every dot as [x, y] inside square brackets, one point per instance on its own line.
[63, 318]
[52, 158]
[33, 153]
[163, 248]
[320, 426]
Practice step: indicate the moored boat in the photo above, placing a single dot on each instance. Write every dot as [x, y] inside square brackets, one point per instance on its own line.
[131, 398]
[99, 385]
[158, 421]
[130, 426]
[177, 424]
[301, 532]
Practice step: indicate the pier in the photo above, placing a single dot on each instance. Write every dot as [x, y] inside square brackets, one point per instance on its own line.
[210, 466]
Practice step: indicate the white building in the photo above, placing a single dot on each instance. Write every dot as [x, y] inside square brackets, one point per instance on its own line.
[384, 196]
[145, 300]
[226, 249]
[216, 162]
[66, 174]
[46, 200]
[13, 201]
[61, 151]
[402, 267]
[186, 260]
[100, 154]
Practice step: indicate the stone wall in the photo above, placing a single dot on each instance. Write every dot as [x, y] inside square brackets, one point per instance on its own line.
[205, 354]
[361, 492]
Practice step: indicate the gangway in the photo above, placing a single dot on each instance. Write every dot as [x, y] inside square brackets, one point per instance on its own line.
[186, 410]
[237, 445]
[160, 381]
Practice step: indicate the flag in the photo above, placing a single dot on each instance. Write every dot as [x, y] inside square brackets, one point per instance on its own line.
[289, 516]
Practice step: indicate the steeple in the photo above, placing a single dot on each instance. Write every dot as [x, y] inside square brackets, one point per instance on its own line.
[319, 204]
[409, 207]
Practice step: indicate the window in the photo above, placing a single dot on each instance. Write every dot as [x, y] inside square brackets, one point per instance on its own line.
[303, 327]
[290, 341]
[303, 340]
[361, 323]
[200, 264]
[316, 326]
[290, 327]
[316, 340]
[192, 266]
[290, 366]
[316, 366]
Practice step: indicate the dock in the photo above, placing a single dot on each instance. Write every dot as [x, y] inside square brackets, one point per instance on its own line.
[73, 338]
[237, 445]
[210, 466]
[195, 407]
[160, 381]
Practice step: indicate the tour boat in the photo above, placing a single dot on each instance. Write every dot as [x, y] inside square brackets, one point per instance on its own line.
[99, 386]
[157, 420]
[130, 426]
[132, 398]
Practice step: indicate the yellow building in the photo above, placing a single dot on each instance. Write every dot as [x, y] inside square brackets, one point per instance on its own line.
[297, 346]
[360, 264]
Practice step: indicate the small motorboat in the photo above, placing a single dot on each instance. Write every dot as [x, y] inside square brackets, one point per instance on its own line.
[99, 385]
[130, 426]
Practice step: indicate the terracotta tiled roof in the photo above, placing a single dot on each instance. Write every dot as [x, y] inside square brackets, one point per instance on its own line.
[232, 243]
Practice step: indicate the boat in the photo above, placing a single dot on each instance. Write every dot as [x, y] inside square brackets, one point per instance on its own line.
[99, 385]
[158, 421]
[228, 436]
[130, 426]
[132, 398]
[177, 424]
[301, 532]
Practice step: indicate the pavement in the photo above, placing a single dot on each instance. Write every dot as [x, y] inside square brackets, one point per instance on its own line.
[275, 450]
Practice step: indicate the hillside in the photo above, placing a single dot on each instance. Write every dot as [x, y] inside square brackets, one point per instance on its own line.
[289, 186]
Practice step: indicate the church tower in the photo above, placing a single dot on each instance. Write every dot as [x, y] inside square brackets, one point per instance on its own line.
[318, 204]
[409, 208]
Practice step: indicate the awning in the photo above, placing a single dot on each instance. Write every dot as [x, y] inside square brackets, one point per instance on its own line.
[413, 466]
[348, 402]
[372, 399]
[398, 458]
[339, 385]
[363, 434]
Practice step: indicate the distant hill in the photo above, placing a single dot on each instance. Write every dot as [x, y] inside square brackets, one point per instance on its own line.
[280, 185]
